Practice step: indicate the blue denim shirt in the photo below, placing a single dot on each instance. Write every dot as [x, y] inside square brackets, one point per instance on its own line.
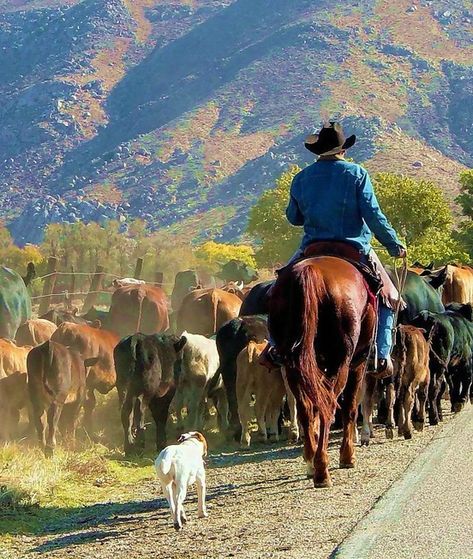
[334, 200]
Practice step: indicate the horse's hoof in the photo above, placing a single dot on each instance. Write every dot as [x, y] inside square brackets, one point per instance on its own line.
[323, 484]
[418, 425]
[389, 433]
[347, 466]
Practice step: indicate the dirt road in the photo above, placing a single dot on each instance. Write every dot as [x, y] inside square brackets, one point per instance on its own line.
[261, 505]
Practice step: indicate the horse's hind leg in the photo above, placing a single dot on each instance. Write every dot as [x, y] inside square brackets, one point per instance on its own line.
[309, 422]
[349, 415]
[321, 475]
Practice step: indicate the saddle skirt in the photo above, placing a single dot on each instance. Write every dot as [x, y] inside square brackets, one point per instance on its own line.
[377, 279]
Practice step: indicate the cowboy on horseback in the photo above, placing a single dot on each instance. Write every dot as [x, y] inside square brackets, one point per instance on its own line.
[333, 200]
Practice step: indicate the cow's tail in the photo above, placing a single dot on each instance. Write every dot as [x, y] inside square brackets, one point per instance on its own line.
[215, 300]
[141, 297]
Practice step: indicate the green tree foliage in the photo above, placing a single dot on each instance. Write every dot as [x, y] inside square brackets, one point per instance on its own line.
[212, 256]
[465, 201]
[15, 257]
[268, 224]
[421, 215]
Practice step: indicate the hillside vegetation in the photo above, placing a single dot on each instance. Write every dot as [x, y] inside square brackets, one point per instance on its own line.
[181, 113]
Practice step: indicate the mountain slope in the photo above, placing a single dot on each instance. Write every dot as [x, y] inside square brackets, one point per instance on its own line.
[182, 113]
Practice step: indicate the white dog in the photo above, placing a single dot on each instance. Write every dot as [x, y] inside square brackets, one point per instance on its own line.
[179, 466]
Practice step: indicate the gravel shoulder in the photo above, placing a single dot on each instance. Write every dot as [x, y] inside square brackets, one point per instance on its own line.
[260, 506]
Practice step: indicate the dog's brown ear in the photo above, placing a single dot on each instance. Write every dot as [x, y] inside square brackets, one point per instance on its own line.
[201, 439]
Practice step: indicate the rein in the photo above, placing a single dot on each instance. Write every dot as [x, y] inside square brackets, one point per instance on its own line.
[401, 278]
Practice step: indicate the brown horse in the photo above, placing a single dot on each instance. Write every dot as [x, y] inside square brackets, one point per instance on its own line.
[322, 319]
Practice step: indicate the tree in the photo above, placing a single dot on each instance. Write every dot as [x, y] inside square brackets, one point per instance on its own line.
[214, 255]
[465, 200]
[268, 224]
[421, 215]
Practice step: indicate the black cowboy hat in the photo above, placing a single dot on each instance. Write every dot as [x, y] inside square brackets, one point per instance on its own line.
[329, 141]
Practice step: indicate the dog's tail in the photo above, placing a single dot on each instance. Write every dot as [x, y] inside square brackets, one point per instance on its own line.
[165, 464]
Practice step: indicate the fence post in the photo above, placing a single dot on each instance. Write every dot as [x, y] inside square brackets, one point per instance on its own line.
[138, 268]
[95, 285]
[71, 290]
[49, 283]
[159, 279]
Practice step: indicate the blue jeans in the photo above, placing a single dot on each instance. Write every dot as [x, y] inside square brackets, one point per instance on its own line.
[384, 337]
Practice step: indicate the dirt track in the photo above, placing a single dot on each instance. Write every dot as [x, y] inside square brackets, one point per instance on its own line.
[260, 505]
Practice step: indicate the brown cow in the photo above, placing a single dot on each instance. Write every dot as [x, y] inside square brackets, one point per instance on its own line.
[204, 311]
[458, 287]
[412, 376]
[13, 398]
[56, 386]
[139, 308]
[12, 358]
[35, 332]
[268, 389]
[97, 343]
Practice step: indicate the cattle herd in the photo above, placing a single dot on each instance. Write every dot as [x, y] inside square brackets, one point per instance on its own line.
[201, 350]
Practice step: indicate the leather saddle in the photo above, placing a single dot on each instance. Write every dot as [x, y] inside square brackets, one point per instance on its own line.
[348, 252]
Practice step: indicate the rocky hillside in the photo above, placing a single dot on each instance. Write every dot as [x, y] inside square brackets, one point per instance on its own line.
[183, 112]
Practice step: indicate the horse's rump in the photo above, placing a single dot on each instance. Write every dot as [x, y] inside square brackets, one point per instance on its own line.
[317, 313]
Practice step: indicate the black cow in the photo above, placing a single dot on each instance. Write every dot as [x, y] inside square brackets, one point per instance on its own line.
[451, 336]
[256, 302]
[231, 339]
[147, 367]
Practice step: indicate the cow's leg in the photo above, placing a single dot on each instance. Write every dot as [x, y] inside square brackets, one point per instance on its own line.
[127, 423]
[443, 388]
[89, 407]
[139, 424]
[273, 412]
[465, 375]
[435, 386]
[310, 425]
[229, 374]
[407, 404]
[349, 414]
[54, 413]
[195, 408]
[68, 423]
[261, 405]
[422, 391]
[219, 398]
[159, 408]
[39, 417]
[292, 405]
[244, 412]
[367, 398]
[390, 400]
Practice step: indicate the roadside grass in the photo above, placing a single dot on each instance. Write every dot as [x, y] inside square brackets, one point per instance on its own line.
[37, 493]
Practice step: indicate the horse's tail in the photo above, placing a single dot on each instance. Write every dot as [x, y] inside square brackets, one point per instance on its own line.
[306, 292]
